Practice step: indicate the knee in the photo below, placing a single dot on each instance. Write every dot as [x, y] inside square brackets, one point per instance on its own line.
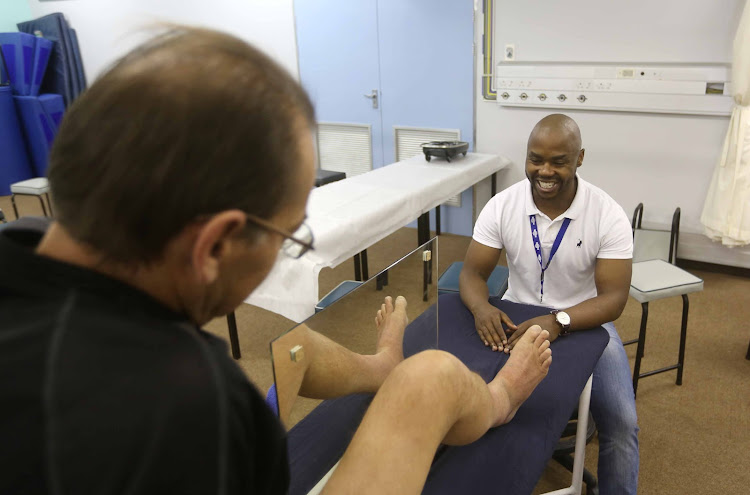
[430, 372]
[620, 421]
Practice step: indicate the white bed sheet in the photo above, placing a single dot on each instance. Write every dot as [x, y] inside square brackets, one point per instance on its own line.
[350, 215]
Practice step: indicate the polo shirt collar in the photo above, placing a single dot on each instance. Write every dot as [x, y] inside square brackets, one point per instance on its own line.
[574, 210]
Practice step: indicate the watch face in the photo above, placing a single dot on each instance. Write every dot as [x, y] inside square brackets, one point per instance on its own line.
[563, 318]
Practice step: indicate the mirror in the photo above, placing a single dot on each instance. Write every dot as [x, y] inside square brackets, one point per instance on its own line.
[349, 321]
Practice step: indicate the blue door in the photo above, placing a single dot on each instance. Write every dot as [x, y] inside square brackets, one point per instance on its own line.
[427, 76]
[417, 54]
[337, 46]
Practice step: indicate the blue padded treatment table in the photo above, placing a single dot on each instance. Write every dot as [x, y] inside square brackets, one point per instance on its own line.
[509, 459]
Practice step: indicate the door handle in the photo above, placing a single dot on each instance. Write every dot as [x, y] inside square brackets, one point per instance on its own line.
[374, 97]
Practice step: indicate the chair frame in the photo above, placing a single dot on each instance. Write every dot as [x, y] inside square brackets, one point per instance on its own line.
[41, 201]
[641, 340]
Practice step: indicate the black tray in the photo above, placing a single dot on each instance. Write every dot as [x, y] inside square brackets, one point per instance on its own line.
[444, 149]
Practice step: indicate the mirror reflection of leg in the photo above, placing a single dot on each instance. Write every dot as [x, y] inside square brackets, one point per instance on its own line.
[358, 357]
[311, 365]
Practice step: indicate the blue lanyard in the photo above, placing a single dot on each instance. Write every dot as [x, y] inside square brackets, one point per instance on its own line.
[538, 248]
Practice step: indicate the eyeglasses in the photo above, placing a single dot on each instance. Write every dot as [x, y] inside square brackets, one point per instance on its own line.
[295, 244]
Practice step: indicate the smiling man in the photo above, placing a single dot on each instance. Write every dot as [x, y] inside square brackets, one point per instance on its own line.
[569, 247]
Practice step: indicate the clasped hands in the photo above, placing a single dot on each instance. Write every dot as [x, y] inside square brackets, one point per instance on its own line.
[498, 331]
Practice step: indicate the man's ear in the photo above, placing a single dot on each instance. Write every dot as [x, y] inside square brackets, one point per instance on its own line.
[213, 242]
[580, 157]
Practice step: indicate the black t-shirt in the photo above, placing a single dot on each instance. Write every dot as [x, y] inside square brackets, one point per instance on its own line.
[103, 390]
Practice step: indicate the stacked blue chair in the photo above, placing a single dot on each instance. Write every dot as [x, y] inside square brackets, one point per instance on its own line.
[37, 116]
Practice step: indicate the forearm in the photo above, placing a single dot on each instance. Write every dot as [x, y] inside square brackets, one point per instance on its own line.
[473, 290]
[596, 311]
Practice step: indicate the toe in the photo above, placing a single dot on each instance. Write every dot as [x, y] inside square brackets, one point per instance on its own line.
[388, 303]
[401, 303]
[533, 332]
[547, 359]
[541, 337]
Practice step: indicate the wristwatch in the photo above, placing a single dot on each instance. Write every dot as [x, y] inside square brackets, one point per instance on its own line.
[563, 319]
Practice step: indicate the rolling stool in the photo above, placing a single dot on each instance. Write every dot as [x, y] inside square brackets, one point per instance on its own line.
[38, 187]
[497, 283]
[337, 293]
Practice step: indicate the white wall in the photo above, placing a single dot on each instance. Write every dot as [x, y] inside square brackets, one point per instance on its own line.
[664, 161]
[107, 29]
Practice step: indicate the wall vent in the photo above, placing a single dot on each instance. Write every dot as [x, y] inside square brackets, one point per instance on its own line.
[345, 148]
[408, 140]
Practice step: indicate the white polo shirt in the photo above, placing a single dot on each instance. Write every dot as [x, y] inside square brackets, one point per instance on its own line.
[598, 228]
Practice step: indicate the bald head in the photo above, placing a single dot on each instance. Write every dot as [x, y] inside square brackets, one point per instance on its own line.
[553, 156]
[189, 124]
[558, 128]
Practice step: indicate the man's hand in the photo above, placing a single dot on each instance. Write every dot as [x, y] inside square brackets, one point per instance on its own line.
[547, 322]
[488, 321]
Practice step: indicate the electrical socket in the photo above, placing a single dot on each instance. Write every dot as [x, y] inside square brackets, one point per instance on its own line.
[510, 52]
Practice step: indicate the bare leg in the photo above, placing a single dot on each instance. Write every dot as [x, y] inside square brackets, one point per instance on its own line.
[515, 380]
[334, 371]
[391, 321]
[428, 399]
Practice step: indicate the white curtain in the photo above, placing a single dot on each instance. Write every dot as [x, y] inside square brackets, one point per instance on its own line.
[726, 213]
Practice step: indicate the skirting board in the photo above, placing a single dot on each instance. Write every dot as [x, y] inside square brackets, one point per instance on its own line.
[698, 247]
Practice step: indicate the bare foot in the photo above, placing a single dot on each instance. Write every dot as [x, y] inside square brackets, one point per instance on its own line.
[527, 366]
[391, 321]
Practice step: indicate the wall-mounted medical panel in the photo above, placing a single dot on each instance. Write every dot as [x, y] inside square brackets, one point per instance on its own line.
[701, 90]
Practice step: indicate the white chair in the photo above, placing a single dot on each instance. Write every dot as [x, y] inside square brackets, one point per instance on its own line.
[655, 276]
[38, 187]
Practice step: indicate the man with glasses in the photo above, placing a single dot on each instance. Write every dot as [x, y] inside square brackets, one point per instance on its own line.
[177, 178]
[295, 245]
